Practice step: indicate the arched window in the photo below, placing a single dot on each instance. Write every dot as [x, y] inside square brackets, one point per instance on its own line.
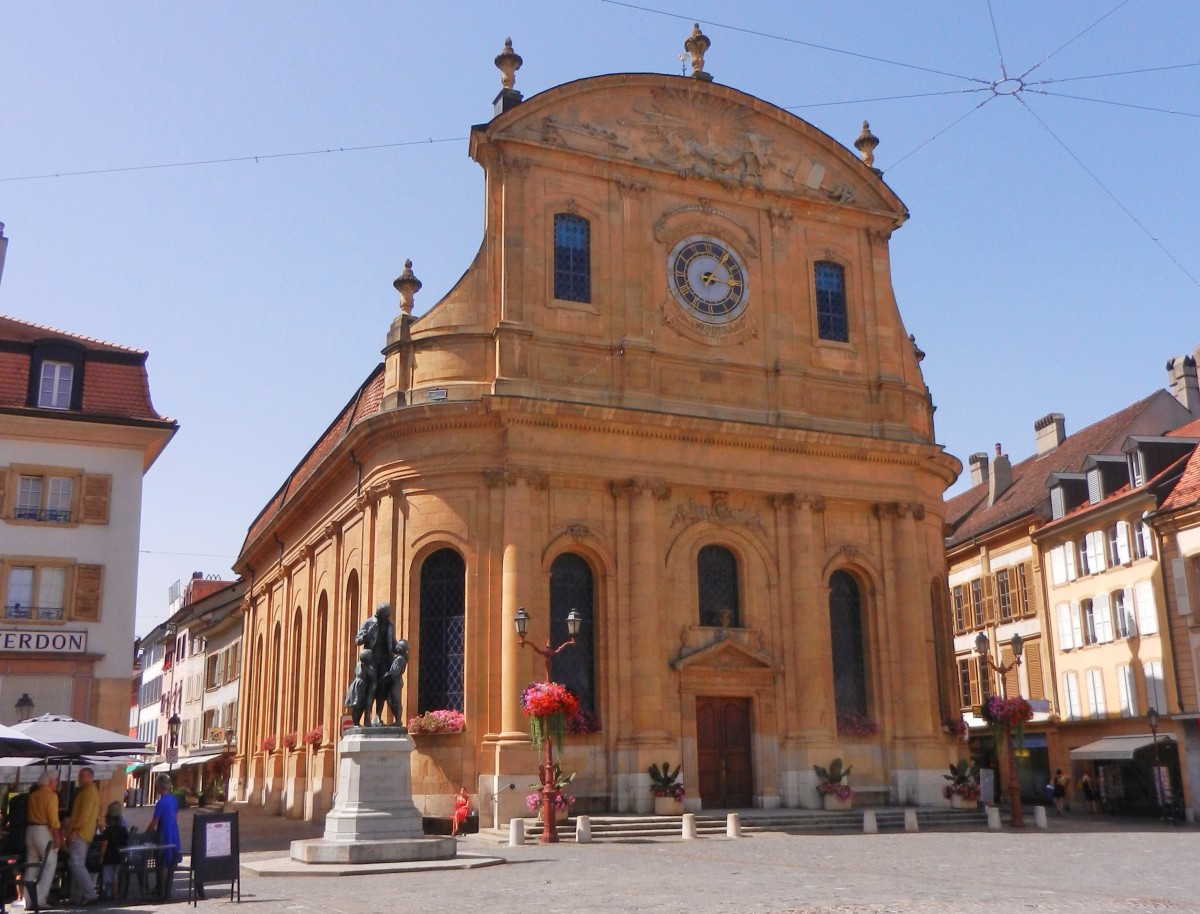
[717, 584]
[571, 588]
[322, 633]
[831, 302]
[846, 636]
[442, 628]
[572, 258]
[295, 698]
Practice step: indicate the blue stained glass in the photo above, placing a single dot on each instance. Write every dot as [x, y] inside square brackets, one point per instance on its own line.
[572, 258]
[571, 588]
[831, 302]
[845, 631]
[717, 585]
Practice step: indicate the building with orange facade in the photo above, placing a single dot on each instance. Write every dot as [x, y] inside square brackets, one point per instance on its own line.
[673, 392]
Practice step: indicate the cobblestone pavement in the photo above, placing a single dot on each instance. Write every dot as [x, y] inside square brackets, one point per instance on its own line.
[1081, 864]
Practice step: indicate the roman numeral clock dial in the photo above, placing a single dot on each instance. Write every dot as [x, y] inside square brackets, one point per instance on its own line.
[708, 280]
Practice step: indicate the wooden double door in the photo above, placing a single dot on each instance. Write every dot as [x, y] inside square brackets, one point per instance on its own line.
[723, 752]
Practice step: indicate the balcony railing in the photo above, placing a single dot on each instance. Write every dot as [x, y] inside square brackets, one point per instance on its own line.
[22, 611]
[49, 515]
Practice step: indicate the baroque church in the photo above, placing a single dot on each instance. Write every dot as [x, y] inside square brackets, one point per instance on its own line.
[673, 393]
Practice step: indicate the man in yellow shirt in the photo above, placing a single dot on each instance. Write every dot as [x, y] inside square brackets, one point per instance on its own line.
[81, 829]
[42, 828]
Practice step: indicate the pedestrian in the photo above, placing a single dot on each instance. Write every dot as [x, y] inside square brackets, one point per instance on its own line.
[43, 828]
[1090, 794]
[165, 826]
[1060, 790]
[462, 809]
[112, 840]
[81, 829]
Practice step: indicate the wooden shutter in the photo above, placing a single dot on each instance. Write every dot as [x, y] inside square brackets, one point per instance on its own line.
[989, 598]
[1012, 681]
[1028, 593]
[89, 580]
[973, 666]
[94, 503]
[4, 491]
[1033, 668]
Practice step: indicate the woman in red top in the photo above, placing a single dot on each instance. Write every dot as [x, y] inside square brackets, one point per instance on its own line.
[462, 808]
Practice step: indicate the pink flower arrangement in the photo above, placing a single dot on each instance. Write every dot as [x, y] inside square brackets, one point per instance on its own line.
[290, 739]
[441, 721]
[268, 744]
[966, 791]
[314, 736]
[851, 723]
[955, 726]
[562, 801]
[583, 721]
[548, 705]
[841, 791]
[1007, 712]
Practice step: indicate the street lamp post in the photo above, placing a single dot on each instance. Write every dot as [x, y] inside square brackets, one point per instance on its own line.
[228, 760]
[173, 724]
[1014, 790]
[1152, 720]
[24, 707]
[549, 788]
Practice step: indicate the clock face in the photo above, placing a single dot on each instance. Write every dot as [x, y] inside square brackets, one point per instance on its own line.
[707, 279]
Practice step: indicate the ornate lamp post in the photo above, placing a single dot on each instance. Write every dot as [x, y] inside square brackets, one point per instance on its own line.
[228, 760]
[549, 788]
[1014, 789]
[1152, 721]
[173, 724]
[24, 707]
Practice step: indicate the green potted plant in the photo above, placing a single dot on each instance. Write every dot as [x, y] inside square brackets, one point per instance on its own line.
[668, 792]
[963, 789]
[562, 801]
[833, 785]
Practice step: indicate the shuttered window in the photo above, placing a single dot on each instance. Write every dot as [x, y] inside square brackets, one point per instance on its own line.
[1156, 692]
[1071, 705]
[1066, 632]
[1126, 691]
[1012, 679]
[1147, 609]
[1095, 693]
[1033, 669]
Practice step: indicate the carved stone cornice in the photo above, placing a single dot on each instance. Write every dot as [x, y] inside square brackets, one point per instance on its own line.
[885, 509]
[654, 487]
[628, 187]
[578, 532]
[511, 166]
[511, 475]
[717, 511]
[332, 529]
[796, 501]
[309, 551]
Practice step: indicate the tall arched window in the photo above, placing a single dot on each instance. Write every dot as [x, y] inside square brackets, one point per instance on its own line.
[717, 584]
[571, 588]
[322, 639]
[276, 663]
[294, 701]
[572, 258]
[442, 628]
[846, 637]
[832, 323]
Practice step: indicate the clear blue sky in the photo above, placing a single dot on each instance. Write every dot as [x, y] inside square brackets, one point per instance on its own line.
[262, 290]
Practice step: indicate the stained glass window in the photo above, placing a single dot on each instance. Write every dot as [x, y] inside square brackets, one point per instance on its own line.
[442, 627]
[571, 588]
[572, 258]
[717, 583]
[831, 302]
[846, 637]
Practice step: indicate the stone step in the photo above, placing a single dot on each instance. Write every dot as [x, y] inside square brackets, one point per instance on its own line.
[888, 818]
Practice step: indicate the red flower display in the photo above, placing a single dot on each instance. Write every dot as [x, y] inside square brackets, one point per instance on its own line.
[544, 699]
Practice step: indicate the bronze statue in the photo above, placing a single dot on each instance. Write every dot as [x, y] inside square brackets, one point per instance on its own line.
[379, 671]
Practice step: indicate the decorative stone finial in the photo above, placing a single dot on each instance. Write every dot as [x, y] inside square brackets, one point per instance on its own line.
[696, 45]
[407, 285]
[508, 62]
[865, 144]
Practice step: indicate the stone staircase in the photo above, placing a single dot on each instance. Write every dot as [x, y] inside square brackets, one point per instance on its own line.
[632, 828]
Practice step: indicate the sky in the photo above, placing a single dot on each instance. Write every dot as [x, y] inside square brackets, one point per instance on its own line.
[1045, 152]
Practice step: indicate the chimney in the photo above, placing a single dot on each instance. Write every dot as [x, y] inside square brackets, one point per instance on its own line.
[1001, 477]
[1181, 378]
[1051, 431]
[979, 468]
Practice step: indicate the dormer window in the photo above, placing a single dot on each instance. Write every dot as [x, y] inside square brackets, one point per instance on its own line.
[1137, 468]
[54, 389]
[1095, 486]
[1058, 505]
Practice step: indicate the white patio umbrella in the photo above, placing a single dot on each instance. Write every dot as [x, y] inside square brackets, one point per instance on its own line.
[14, 742]
[70, 737]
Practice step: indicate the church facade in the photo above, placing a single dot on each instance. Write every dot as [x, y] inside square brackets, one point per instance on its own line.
[673, 392]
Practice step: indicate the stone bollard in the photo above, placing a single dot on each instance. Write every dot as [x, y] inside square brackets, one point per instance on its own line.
[516, 833]
[689, 825]
[910, 820]
[870, 825]
[733, 826]
[583, 829]
[993, 814]
[1039, 817]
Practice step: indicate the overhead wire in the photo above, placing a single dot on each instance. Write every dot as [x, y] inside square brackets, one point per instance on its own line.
[1091, 174]
[996, 35]
[1071, 79]
[1107, 101]
[886, 98]
[1073, 40]
[945, 129]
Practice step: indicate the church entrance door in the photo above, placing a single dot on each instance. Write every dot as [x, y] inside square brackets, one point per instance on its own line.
[723, 752]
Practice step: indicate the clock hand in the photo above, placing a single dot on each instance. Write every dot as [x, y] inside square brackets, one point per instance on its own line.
[710, 277]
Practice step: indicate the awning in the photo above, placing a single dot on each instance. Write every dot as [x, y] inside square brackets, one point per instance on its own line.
[136, 767]
[1115, 747]
[199, 759]
[161, 766]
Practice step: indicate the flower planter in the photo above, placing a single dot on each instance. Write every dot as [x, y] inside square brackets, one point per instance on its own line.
[833, 803]
[560, 815]
[958, 801]
[668, 806]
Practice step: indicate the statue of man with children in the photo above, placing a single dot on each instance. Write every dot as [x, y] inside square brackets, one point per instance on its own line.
[379, 671]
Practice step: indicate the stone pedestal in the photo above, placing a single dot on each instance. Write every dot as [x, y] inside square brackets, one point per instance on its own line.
[374, 819]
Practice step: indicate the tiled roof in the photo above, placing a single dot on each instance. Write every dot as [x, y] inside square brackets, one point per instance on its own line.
[115, 384]
[363, 405]
[1186, 493]
[969, 514]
